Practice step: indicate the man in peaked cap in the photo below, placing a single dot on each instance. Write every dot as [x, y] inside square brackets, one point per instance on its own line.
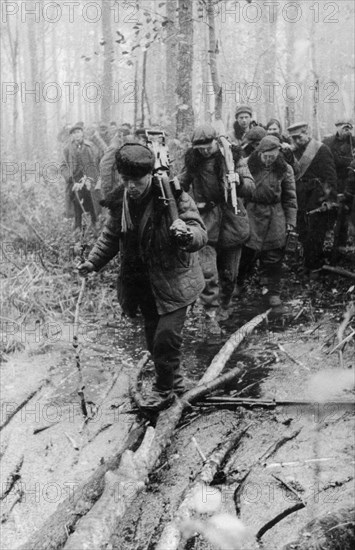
[342, 146]
[316, 187]
[204, 174]
[159, 269]
[79, 167]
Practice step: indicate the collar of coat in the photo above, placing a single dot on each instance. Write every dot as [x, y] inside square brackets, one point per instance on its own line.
[279, 167]
[114, 199]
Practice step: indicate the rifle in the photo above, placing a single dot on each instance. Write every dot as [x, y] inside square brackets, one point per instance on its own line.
[156, 141]
[325, 207]
[231, 178]
[168, 198]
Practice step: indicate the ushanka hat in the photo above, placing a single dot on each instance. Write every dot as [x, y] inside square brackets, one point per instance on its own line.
[269, 143]
[255, 134]
[134, 159]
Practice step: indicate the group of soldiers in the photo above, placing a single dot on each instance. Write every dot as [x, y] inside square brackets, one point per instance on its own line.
[84, 150]
[198, 236]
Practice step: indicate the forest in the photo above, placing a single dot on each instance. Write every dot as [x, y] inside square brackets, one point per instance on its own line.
[258, 454]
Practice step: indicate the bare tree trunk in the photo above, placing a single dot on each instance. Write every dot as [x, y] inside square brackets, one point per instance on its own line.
[13, 42]
[290, 106]
[171, 55]
[107, 80]
[135, 96]
[315, 75]
[212, 49]
[185, 114]
[269, 61]
[143, 93]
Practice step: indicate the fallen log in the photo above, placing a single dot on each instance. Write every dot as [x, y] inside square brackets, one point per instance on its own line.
[171, 535]
[55, 530]
[219, 361]
[129, 479]
[136, 466]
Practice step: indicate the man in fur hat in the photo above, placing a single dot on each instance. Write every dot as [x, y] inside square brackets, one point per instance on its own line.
[316, 185]
[159, 271]
[204, 173]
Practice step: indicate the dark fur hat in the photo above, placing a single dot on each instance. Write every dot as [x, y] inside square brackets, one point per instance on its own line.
[134, 159]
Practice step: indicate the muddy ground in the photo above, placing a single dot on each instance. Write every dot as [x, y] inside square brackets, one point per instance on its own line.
[46, 450]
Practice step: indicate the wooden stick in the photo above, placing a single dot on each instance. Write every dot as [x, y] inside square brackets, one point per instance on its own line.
[23, 403]
[339, 271]
[342, 342]
[198, 449]
[281, 348]
[278, 518]
[291, 489]
[276, 446]
[350, 312]
[81, 385]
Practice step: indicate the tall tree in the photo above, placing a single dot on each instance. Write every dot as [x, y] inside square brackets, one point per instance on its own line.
[212, 50]
[13, 35]
[107, 79]
[170, 64]
[185, 114]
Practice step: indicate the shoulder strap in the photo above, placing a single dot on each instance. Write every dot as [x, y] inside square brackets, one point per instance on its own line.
[308, 156]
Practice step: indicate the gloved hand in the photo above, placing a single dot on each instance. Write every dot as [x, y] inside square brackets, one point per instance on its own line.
[85, 268]
[181, 232]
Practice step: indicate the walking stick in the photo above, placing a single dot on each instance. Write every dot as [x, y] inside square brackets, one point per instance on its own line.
[81, 385]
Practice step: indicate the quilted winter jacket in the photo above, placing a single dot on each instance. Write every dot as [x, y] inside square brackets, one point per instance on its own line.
[273, 204]
[203, 177]
[151, 255]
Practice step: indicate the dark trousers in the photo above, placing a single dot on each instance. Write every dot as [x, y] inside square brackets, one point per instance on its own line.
[270, 267]
[163, 335]
[86, 204]
[220, 269]
[312, 230]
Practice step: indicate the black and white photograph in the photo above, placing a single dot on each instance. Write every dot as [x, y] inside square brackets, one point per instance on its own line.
[177, 267]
